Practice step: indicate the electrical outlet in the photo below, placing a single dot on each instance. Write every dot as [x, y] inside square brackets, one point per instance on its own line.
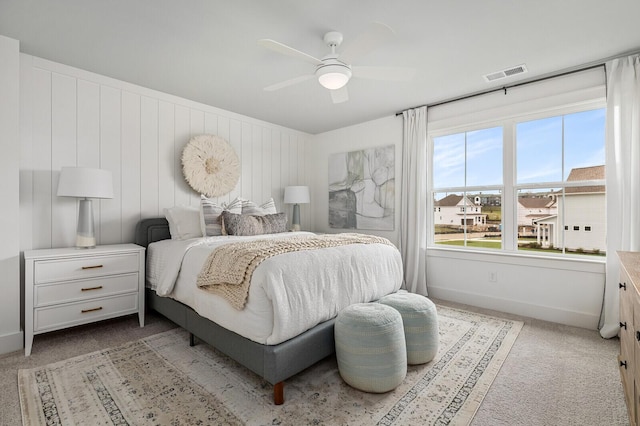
[493, 277]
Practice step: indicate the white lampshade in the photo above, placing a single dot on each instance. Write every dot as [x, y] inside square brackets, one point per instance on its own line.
[85, 182]
[296, 195]
[333, 76]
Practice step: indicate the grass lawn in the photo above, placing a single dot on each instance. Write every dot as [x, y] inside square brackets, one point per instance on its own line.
[494, 213]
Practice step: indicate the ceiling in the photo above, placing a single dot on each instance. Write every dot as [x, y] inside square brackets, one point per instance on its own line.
[207, 50]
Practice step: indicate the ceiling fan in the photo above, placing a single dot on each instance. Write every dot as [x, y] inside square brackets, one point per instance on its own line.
[334, 70]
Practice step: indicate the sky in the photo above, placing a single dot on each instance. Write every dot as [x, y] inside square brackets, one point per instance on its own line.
[539, 151]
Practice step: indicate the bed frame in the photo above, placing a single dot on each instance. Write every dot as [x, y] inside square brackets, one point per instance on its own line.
[274, 363]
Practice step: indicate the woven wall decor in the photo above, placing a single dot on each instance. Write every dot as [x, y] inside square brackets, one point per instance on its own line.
[210, 165]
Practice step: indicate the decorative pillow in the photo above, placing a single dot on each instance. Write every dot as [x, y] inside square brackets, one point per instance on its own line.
[184, 222]
[234, 205]
[249, 207]
[210, 211]
[246, 224]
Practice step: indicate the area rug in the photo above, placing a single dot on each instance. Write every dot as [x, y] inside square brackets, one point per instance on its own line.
[161, 380]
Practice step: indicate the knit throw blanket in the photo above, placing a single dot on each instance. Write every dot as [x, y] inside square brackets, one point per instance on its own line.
[228, 269]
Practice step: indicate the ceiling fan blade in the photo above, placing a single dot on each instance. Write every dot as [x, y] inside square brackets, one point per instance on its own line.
[340, 95]
[289, 51]
[289, 82]
[376, 34]
[384, 73]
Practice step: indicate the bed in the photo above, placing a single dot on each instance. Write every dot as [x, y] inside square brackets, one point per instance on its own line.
[275, 362]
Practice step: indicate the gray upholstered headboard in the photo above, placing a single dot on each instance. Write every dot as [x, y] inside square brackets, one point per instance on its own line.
[150, 230]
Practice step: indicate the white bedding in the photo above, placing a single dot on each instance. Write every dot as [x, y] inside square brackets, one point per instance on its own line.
[289, 293]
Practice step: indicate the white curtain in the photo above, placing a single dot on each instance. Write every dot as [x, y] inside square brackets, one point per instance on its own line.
[623, 177]
[413, 221]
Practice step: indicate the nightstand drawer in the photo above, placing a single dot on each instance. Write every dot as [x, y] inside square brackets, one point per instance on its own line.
[71, 291]
[84, 267]
[62, 316]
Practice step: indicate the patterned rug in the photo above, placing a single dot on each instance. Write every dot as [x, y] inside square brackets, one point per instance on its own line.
[161, 380]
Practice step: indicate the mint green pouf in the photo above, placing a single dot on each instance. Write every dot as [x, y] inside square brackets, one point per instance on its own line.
[420, 321]
[370, 347]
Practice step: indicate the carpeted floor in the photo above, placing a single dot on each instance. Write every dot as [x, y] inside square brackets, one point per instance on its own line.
[554, 375]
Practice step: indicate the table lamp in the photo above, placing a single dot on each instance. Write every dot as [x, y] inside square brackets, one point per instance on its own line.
[296, 195]
[85, 183]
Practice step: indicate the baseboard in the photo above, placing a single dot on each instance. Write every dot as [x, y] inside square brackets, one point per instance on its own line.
[546, 313]
[11, 342]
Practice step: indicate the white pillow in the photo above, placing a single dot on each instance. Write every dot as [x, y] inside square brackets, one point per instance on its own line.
[209, 215]
[249, 207]
[184, 222]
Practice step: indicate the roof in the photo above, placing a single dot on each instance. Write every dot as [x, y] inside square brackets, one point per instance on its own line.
[586, 173]
[448, 201]
[536, 202]
[452, 200]
[585, 189]
[583, 174]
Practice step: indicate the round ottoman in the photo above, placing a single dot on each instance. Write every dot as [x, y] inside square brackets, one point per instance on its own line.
[420, 321]
[370, 347]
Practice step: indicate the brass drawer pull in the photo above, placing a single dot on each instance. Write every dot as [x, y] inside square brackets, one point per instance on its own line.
[84, 311]
[91, 288]
[92, 267]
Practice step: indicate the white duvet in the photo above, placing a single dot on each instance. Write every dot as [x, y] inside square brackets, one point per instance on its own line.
[289, 293]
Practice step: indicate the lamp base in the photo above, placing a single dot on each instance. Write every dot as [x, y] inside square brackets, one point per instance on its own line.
[295, 221]
[85, 237]
[85, 242]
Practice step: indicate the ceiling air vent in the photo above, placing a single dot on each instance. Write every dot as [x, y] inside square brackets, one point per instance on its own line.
[505, 73]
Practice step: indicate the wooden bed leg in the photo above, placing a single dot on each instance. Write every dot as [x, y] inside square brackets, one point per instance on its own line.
[278, 393]
[192, 339]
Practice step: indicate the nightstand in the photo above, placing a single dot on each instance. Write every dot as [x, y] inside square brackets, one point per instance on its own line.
[69, 286]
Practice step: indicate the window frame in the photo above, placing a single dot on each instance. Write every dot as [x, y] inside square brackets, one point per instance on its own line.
[509, 188]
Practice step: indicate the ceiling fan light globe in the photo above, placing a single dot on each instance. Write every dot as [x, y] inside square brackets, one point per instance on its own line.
[333, 77]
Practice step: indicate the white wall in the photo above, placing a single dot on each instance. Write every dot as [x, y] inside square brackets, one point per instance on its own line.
[563, 291]
[10, 333]
[72, 117]
[381, 132]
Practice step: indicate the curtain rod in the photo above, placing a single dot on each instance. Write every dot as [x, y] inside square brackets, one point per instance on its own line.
[585, 67]
[505, 88]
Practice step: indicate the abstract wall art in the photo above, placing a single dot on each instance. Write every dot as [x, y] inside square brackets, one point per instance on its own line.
[362, 189]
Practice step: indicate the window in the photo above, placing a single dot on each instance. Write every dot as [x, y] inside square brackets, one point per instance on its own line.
[467, 173]
[537, 173]
[567, 151]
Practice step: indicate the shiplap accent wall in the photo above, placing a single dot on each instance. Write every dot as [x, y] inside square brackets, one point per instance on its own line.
[71, 117]
[10, 334]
